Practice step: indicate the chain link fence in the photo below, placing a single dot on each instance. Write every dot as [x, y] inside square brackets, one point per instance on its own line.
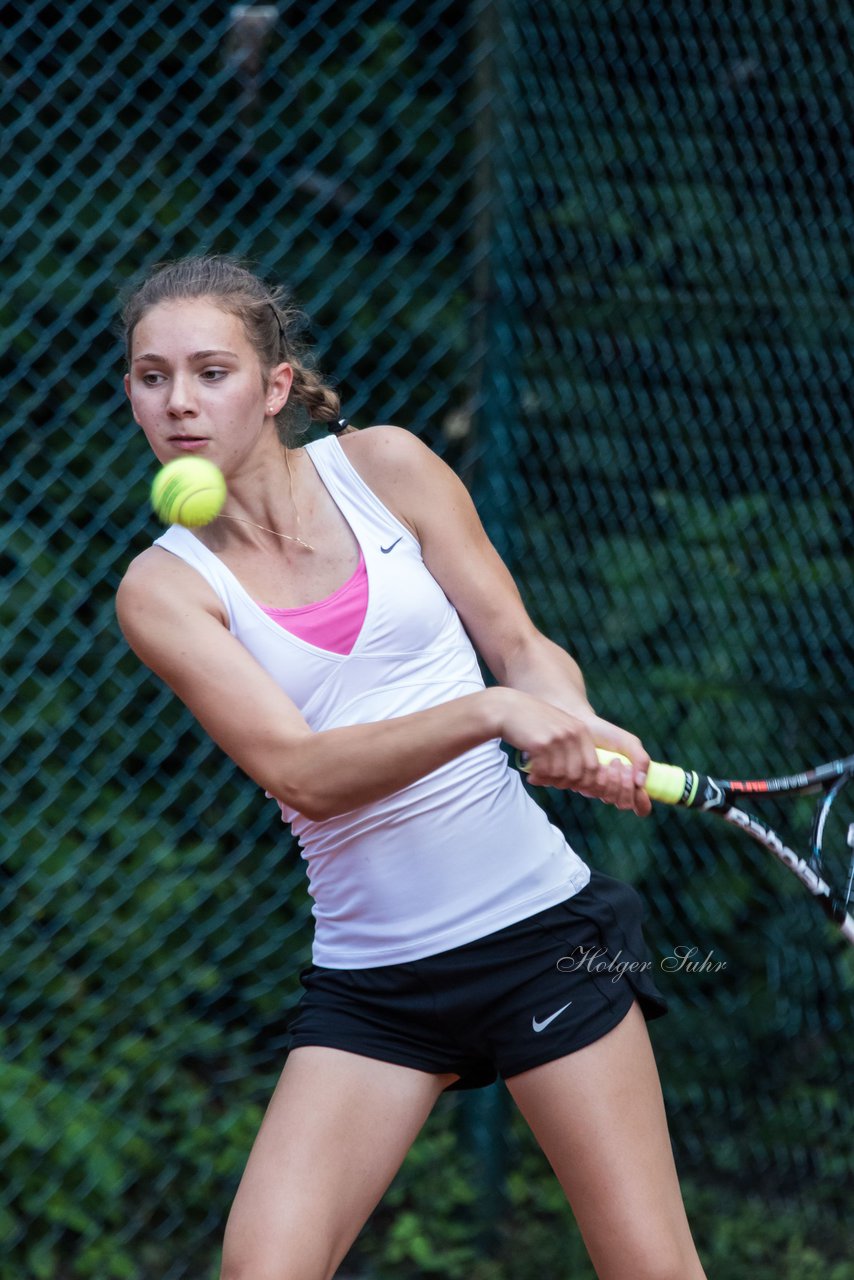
[598, 255]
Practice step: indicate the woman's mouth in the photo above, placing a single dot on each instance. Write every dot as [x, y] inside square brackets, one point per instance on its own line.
[188, 442]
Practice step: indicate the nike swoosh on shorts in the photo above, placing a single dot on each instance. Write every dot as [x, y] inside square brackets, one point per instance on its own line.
[541, 1026]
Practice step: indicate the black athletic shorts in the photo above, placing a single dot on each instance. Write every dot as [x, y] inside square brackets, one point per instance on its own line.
[517, 998]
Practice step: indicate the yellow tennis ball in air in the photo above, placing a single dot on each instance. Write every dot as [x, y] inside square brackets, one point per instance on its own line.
[188, 491]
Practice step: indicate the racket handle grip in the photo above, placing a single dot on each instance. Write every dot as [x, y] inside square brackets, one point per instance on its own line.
[666, 783]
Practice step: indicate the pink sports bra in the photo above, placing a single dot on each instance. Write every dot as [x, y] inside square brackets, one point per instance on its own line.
[333, 623]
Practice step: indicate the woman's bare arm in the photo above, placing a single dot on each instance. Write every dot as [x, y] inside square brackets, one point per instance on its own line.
[425, 492]
[172, 620]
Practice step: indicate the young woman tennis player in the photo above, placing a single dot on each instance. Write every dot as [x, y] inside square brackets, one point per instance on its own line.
[323, 632]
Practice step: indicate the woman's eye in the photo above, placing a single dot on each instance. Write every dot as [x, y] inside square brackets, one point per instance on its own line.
[213, 375]
[151, 379]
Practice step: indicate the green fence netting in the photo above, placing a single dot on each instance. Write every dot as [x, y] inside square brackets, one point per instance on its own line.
[598, 255]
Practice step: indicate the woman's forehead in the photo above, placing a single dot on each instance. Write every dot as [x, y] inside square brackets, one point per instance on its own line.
[197, 320]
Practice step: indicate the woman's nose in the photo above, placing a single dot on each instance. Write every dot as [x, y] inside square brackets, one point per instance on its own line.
[182, 400]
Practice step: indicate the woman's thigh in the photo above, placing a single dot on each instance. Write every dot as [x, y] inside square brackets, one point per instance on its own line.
[334, 1134]
[598, 1115]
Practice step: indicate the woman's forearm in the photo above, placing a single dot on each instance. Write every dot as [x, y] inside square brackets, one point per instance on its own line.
[540, 667]
[335, 770]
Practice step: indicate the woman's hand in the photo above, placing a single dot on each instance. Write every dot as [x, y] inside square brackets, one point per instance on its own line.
[561, 752]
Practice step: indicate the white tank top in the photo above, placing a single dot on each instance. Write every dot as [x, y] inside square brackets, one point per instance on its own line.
[459, 853]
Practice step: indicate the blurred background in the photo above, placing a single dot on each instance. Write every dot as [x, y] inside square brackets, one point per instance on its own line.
[597, 254]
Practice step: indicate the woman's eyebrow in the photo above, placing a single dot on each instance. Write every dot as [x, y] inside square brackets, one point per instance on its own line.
[152, 356]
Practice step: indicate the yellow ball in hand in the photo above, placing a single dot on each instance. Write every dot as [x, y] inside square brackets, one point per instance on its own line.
[188, 491]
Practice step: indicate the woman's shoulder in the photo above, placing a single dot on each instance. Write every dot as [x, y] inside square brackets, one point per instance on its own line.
[394, 464]
[157, 580]
[149, 570]
[393, 459]
[384, 446]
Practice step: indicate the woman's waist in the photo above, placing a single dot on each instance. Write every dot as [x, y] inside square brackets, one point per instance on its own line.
[383, 900]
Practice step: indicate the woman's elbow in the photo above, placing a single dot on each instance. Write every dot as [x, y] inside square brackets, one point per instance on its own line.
[315, 807]
[313, 803]
[307, 780]
[307, 791]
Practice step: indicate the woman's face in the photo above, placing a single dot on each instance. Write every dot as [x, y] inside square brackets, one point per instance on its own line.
[196, 384]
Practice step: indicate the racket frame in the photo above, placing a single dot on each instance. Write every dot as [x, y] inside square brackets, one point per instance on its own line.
[687, 789]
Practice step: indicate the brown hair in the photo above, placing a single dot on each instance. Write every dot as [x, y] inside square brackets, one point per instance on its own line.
[273, 326]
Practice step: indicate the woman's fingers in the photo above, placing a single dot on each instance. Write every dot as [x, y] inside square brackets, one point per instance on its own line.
[579, 770]
[571, 765]
[560, 750]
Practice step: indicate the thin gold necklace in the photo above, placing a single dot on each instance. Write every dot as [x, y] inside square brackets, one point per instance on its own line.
[289, 537]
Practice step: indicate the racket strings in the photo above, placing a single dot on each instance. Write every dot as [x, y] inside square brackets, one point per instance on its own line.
[833, 840]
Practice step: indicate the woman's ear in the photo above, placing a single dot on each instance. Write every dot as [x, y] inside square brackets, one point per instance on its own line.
[279, 386]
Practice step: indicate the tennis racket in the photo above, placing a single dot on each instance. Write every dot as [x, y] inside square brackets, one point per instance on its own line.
[828, 873]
